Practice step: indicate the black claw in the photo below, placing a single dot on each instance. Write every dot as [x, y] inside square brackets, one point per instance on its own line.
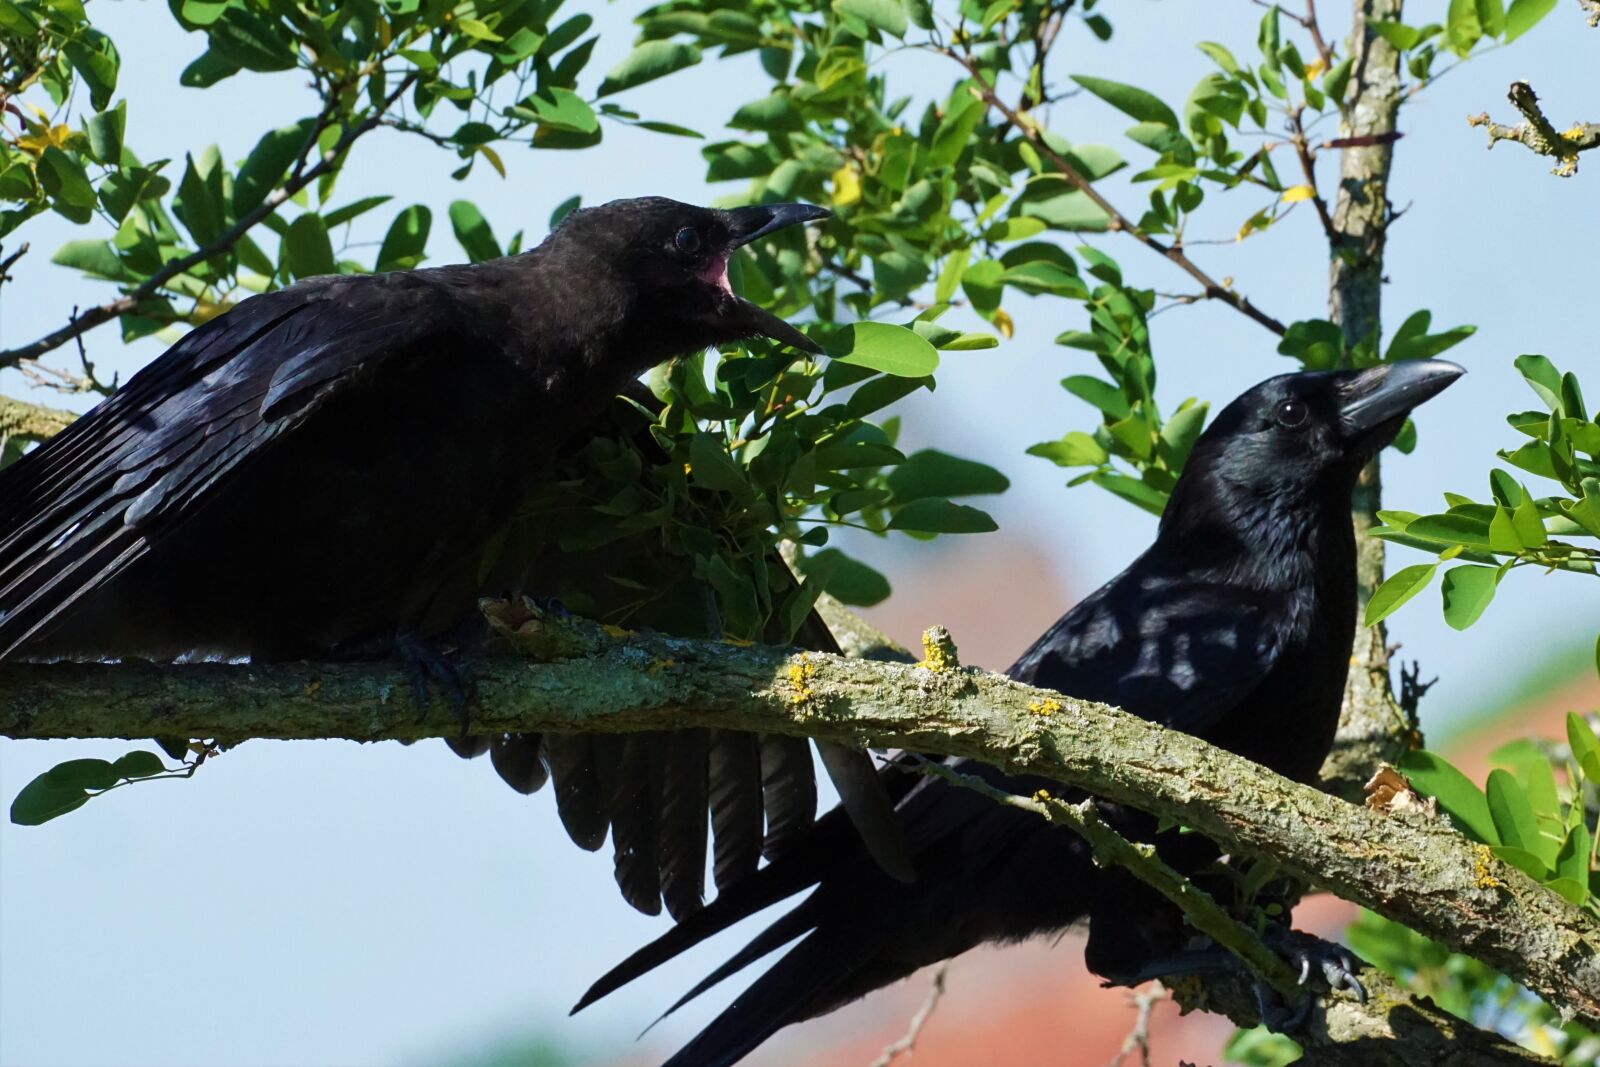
[427, 668]
[1276, 1015]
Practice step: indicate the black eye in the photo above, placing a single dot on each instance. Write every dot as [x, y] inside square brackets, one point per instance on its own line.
[1291, 413]
[687, 241]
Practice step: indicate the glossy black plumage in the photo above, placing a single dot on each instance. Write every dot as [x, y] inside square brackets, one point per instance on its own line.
[1236, 625]
[324, 470]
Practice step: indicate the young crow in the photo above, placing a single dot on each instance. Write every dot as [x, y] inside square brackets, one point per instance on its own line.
[320, 469]
[1235, 626]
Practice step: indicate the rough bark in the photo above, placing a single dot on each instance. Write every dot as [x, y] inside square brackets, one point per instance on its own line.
[1372, 727]
[1417, 872]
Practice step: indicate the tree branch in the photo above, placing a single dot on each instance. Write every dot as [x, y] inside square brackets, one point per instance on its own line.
[1416, 871]
[1117, 220]
[301, 177]
[30, 421]
[1538, 135]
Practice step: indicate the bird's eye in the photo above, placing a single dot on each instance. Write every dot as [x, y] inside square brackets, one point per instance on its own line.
[687, 241]
[1291, 413]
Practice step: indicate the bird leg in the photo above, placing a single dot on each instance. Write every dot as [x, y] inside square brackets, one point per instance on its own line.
[427, 666]
[1306, 953]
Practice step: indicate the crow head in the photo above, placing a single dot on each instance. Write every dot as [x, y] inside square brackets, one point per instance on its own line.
[671, 263]
[1301, 438]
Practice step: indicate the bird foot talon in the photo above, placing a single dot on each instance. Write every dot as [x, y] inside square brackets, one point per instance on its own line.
[1333, 962]
[428, 668]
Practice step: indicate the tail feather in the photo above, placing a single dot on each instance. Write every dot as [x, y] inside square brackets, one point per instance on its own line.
[797, 871]
[804, 983]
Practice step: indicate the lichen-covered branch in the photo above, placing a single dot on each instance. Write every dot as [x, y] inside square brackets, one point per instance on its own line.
[1417, 872]
[1391, 1029]
[1538, 135]
[31, 422]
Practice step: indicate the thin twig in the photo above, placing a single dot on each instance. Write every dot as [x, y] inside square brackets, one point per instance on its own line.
[1116, 220]
[299, 179]
[1537, 133]
[5, 264]
[1140, 860]
[1144, 1002]
[1308, 167]
[1310, 23]
[907, 1042]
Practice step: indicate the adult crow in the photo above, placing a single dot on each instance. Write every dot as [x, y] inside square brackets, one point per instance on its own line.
[1236, 626]
[321, 469]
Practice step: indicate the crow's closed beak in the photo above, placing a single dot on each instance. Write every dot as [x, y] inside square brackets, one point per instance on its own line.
[1388, 392]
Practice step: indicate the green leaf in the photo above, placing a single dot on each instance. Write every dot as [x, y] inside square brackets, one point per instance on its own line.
[138, 764]
[253, 42]
[199, 204]
[887, 348]
[649, 61]
[84, 774]
[105, 132]
[266, 165]
[1396, 33]
[1133, 491]
[207, 69]
[1467, 591]
[95, 59]
[1462, 25]
[710, 465]
[1542, 376]
[472, 231]
[931, 473]
[306, 249]
[936, 515]
[886, 15]
[1398, 588]
[1511, 812]
[1131, 101]
[563, 209]
[1529, 526]
[44, 798]
[340, 216]
[1466, 805]
[1522, 860]
[403, 245]
[776, 111]
[1076, 449]
[1572, 861]
[65, 179]
[1585, 746]
[561, 109]
[849, 581]
[1524, 15]
[92, 257]
[1571, 890]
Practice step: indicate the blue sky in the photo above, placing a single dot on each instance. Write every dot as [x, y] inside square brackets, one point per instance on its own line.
[340, 904]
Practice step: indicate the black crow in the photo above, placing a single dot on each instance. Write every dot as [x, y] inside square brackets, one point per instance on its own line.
[321, 469]
[1236, 626]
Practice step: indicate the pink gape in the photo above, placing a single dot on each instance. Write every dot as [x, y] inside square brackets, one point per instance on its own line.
[716, 273]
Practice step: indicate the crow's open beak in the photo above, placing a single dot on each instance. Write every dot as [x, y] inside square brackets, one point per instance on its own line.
[745, 224]
[748, 223]
[1385, 394]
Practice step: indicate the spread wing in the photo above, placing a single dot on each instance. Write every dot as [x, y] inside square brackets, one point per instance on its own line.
[80, 508]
